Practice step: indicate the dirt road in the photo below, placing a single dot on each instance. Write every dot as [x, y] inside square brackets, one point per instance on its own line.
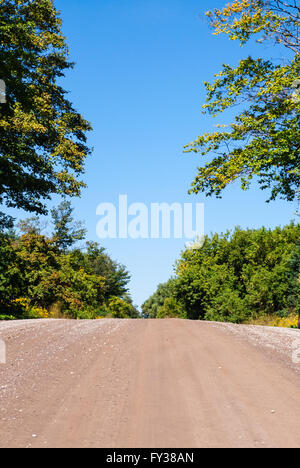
[171, 384]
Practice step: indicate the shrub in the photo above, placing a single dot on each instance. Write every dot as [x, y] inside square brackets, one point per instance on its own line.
[171, 309]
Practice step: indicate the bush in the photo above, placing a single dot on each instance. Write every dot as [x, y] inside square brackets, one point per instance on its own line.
[235, 277]
[171, 309]
[7, 317]
[121, 309]
[38, 280]
[227, 307]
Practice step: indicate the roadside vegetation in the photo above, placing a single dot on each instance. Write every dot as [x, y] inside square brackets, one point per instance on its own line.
[44, 276]
[245, 276]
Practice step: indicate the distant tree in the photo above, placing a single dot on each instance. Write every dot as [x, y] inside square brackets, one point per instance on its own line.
[293, 279]
[121, 309]
[42, 276]
[10, 280]
[42, 138]
[34, 271]
[151, 307]
[241, 275]
[67, 231]
[116, 276]
[264, 140]
[30, 225]
[170, 309]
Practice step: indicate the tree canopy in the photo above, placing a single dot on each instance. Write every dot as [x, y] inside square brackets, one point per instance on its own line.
[235, 277]
[42, 138]
[41, 276]
[263, 141]
[66, 231]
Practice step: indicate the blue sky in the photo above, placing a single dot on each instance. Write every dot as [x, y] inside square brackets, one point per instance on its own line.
[140, 67]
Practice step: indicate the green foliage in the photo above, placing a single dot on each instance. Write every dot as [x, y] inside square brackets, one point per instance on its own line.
[277, 20]
[170, 309]
[7, 317]
[42, 138]
[264, 140]
[293, 277]
[227, 306]
[40, 279]
[121, 309]
[116, 275]
[30, 226]
[234, 277]
[10, 278]
[151, 307]
[67, 231]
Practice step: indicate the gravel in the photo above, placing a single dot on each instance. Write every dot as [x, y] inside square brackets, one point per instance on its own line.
[283, 343]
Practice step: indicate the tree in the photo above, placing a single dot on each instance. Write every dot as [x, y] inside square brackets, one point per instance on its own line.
[293, 279]
[42, 138]
[30, 225]
[10, 281]
[121, 309]
[67, 231]
[164, 291]
[40, 276]
[241, 275]
[234, 277]
[264, 140]
[116, 276]
[48, 278]
[170, 309]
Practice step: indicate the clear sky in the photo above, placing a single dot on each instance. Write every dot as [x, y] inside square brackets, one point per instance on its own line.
[140, 67]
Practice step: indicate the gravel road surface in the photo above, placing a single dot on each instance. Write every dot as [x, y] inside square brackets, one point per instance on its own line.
[148, 383]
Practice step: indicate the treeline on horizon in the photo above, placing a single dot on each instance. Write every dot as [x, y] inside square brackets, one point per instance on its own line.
[44, 276]
[237, 277]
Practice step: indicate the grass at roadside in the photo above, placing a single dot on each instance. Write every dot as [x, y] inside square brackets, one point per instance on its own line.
[270, 321]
